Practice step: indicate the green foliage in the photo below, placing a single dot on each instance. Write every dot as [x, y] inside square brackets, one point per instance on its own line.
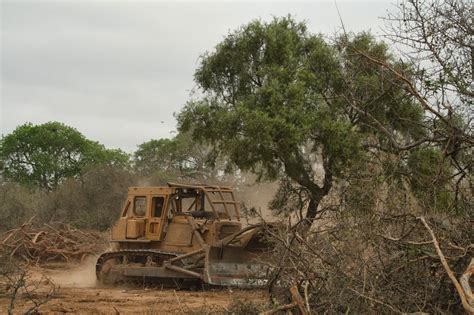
[156, 154]
[265, 83]
[360, 195]
[377, 93]
[429, 174]
[167, 159]
[44, 155]
[278, 100]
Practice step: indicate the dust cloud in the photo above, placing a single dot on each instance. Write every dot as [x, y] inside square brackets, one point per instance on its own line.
[76, 276]
[258, 196]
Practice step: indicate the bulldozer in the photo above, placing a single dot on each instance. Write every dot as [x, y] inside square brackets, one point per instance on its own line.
[183, 235]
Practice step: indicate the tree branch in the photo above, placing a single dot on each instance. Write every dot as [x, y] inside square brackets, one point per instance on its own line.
[469, 308]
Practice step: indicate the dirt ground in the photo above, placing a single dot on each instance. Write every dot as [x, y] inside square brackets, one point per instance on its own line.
[77, 293]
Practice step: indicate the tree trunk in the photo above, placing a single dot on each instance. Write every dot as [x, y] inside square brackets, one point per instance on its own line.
[313, 207]
[312, 211]
[317, 194]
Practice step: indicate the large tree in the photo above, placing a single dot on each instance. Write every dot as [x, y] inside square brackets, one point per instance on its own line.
[44, 155]
[283, 103]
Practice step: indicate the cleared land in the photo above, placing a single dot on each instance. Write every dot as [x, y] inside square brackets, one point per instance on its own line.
[77, 293]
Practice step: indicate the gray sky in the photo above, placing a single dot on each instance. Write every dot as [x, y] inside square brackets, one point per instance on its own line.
[117, 71]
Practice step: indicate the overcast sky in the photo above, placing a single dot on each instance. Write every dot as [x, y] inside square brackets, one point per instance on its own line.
[117, 71]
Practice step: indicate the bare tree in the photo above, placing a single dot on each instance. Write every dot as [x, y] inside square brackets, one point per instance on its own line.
[435, 41]
[436, 37]
[438, 34]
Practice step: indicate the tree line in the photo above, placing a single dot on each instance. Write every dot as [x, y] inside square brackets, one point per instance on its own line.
[43, 156]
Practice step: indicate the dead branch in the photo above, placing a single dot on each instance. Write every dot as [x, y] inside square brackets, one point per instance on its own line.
[279, 309]
[375, 300]
[462, 294]
[295, 294]
[465, 282]
[19, 283]
[60, 242]
[297, 303]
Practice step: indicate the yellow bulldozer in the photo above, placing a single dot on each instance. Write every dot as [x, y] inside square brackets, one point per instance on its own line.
[184, 234]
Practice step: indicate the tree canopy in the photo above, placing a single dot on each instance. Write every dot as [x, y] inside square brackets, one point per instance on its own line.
[175, 157]
[44, 155]
[280, 100]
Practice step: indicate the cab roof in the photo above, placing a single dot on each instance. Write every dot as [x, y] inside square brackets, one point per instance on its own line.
[171, 188]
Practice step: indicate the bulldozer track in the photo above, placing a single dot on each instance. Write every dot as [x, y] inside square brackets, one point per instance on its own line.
[120, 254]
[133, 252]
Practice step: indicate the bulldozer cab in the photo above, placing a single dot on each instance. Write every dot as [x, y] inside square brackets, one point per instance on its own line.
[203, 201]
[142, 215]
[148, 210]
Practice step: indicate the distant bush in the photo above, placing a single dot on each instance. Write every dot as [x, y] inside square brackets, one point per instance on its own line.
[90, 202]
[17, 204]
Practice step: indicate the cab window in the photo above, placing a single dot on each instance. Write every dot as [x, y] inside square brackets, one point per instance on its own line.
[139, 206]
[158, 203]
[125, 209]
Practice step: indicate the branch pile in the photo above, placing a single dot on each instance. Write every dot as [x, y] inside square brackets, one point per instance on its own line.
[47, 243]
[378, 263]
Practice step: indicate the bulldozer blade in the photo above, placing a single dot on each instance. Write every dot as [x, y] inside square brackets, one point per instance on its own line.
[236, 267]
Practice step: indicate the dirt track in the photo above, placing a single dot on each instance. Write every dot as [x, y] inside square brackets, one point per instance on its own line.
[78, 294]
